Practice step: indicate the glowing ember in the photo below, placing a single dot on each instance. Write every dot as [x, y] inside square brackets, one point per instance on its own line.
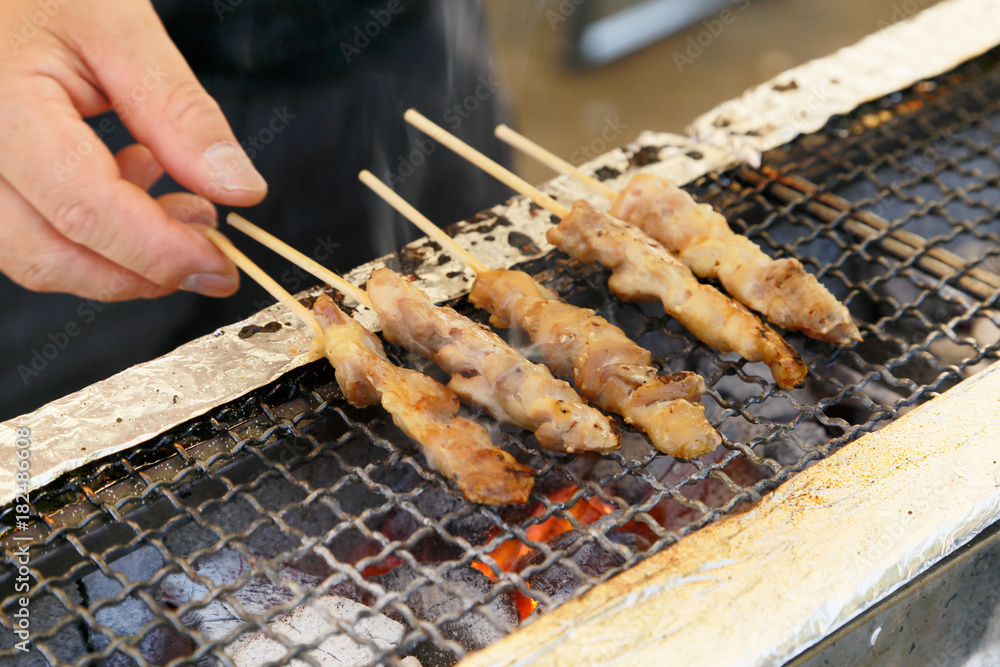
[484, 568]
[586, 511]
[382, 567]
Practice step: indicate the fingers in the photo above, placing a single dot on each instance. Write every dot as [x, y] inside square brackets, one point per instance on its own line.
[73, 214]
[86, 199]
[37, 257]
[163, 105]
[199, 212]
[138, 166]
[189, 208]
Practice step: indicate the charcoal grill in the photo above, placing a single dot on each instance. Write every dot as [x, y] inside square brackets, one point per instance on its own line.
[286, 525]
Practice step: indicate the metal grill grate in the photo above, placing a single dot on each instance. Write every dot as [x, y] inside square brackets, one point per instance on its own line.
[288, 520]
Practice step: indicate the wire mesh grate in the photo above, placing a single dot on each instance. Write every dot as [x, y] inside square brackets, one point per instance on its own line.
[288, 525]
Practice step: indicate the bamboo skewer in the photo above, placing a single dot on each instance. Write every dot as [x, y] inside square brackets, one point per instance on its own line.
[421, 221]
[494, 169]
[551, 160]
[267, 282]
[299, 259]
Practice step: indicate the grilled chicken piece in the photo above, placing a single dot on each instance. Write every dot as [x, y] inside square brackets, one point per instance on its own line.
[780, 289]
[609, 369]
[643, 270]
[458, 448]
[486, 371]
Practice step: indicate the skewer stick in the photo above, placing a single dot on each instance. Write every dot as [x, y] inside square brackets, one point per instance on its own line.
[420, 220]
[297, 258]
[497, 171]
[267, 282]
[551, 160]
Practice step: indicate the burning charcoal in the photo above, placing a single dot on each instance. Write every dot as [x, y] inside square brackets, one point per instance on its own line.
[777, 410]
[306, 624]
[127, 618]
[311, 570]
[435, 503]
[428, 602]
[559, 582]
[430, 654]
[556, 480]
[515, 514]
[636, 542]
[396, 524]
[218, 619]
[400, 477]
[351, 545]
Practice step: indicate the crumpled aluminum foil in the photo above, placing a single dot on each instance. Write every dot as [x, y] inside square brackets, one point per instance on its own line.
[145, 400]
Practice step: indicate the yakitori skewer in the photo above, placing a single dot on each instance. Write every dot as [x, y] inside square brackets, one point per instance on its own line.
[780, 289]
[643, 270]
[609, 369]
[485, 371]
[458, 448]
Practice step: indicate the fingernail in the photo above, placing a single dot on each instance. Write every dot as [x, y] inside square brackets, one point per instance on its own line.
[210, 284]
[232, 169]
[205, 220]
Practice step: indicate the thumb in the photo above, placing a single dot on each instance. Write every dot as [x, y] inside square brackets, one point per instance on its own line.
[160, 100]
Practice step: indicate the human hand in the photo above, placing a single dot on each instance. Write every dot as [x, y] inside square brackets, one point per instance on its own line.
[73, 217]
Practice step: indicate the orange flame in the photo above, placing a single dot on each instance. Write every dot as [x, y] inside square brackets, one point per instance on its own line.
[585, 510]
[507, 555]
